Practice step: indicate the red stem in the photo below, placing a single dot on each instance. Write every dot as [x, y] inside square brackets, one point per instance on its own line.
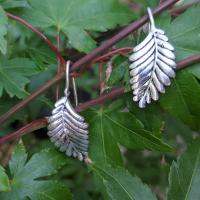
[37, 124]
[41, 35]
[111, 53]
[177, 11]
[103, 58]
[41, 123]
[34, 125]
[58, 66]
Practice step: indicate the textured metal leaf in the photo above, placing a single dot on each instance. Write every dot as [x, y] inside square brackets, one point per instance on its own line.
[68, 131]
[153, 66]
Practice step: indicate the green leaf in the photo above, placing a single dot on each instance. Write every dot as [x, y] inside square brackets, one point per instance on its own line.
[74, 17]
[13, 75]
[25, 175]
[118, 73]
[120, 184]
[183, 32]
[81, 41]
[182, 99]
[109, 127]
[146, 3]
[184, 177]
[103, 146]
[10, 4]
[195, 70]
[4, 181]
[3, 31]
[129, 131]
[18, 160]
[151, 116]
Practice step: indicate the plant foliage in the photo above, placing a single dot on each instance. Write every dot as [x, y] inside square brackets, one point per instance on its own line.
[140, 154]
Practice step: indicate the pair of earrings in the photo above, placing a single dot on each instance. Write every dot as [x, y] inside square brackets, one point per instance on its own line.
[153, 64]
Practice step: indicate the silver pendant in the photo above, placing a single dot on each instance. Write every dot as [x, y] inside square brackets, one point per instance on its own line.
[153, 65]
[67, 129]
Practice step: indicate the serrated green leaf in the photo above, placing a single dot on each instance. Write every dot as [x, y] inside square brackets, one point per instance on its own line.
[118, 73]
[3, 31]
[184, 177]
[103, 146]
[18, 160]
[195, 70]
[183, 32]
[129, 131]
[109, 127]
[147, 3]
[182, 99]
[25, 173]
[151, 116]
[10, 4]
[120, 184]
[4, 180]
[13, 75]
[74, 17]
[81, 41]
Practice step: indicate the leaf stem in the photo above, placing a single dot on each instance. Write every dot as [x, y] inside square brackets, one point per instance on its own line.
[58, 65]
[34, 125]
[103, 58]
[41, 35]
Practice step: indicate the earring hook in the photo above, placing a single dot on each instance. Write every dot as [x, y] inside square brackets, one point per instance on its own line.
[151, 18]
[75, 91]
[66, 91]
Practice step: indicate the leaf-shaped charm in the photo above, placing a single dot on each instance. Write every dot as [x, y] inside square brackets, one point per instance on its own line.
[153, 66]
[67, 130]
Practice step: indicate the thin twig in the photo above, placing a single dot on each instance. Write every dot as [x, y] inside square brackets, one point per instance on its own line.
[58, 66]
[114, 93]
[86, 59]
[103, 58]
[41, 35]
[177, 11]
[111, 53]
[28, 128]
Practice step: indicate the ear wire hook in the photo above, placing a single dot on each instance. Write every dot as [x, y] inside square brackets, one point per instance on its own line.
[152, 23]
[75, 91]
[66, 91]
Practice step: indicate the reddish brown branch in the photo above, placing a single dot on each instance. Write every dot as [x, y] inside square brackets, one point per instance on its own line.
[23, 103]
[58, 66]
[103, 58]
[177, 11]
[101, 99]
[41, 35]
[86, 59]
[40, 123]
[34, 125]
[188, 61]
[37, 124]
[111, 53]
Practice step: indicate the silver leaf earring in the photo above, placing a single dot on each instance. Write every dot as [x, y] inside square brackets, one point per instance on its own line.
[153, 65]
[67, 129]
